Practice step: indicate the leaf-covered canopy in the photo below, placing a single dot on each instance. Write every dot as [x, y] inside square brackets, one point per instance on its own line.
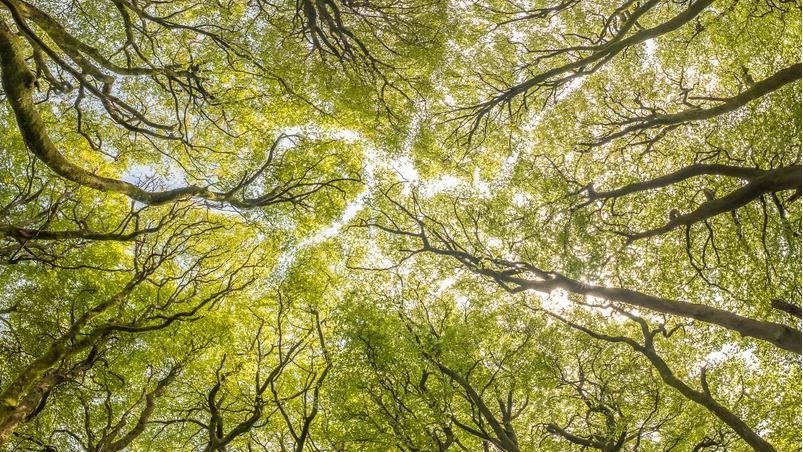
[419, 225]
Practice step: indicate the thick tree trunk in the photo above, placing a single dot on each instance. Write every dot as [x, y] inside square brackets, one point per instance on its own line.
[19, 398]
[779, 335]
[18, 84]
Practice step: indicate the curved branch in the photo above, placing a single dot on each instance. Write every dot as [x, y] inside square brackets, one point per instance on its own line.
[697, 169]
[702, 398]
[589, 64]
[18, 83]
[15, 400]
[786, 178]
[26, 234]
[777, 334]
[787, 307]
[519, 276]
[762, 88]
[145, 414]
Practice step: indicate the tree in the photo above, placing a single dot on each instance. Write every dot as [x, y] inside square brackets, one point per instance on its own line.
[400, 225]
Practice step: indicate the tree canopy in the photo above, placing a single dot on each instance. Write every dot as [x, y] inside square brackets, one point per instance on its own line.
[418, 225]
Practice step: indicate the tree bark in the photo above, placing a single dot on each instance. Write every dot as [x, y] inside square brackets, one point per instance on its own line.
[16, 400]
[786, 178]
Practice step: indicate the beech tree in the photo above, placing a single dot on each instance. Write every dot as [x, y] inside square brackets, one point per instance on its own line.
[400, 225]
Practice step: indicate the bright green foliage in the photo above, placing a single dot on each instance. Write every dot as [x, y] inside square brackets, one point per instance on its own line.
[419, 225]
